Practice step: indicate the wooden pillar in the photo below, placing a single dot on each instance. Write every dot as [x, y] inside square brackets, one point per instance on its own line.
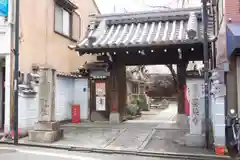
[114, 89]
[122, 89]
[181, 73]
[118, 87]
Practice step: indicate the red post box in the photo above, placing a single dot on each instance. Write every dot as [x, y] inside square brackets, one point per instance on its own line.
[76, 113]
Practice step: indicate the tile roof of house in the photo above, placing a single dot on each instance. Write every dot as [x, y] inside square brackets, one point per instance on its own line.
[146, 29]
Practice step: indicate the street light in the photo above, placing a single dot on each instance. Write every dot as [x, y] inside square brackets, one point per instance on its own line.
[16, 72]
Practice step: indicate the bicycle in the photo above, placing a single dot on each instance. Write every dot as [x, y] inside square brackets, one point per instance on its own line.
[233, 134]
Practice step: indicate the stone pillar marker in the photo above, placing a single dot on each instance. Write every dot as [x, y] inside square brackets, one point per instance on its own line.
[196, 136]
[46, 129]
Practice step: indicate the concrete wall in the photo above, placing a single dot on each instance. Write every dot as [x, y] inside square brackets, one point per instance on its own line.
[40, 44]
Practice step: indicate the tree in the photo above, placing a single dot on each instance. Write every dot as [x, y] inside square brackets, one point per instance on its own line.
[140, 71]
[174, 75]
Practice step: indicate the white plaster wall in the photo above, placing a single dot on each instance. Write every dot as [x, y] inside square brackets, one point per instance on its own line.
[81, 97]
[29, 106]
[27, 112]
[64, 98]
[68, 92]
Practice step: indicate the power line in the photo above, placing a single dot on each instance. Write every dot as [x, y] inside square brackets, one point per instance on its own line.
[166, 6]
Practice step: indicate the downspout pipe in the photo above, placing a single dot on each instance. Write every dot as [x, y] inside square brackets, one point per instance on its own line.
[206, 71]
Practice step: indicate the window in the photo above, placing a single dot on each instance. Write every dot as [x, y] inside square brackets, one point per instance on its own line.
[142, 89]
[63, 22]
[134, 88]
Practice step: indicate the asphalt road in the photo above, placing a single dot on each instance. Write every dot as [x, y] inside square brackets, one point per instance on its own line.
[27, 153]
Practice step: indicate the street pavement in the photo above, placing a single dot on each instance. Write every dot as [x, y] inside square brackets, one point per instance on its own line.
[26, 153]
[154, 132]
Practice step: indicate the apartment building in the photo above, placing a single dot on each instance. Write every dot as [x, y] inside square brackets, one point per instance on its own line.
[47, 27]
[228, 44]
[6, 28]
[226, 88]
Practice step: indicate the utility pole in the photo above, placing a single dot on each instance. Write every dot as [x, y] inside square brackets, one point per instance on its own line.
[16, 71]
[206, 68]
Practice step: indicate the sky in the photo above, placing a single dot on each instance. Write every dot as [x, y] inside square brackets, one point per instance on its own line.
[121, 6]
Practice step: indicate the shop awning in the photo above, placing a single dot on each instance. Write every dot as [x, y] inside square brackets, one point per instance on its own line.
[178, 26]
[233, 39]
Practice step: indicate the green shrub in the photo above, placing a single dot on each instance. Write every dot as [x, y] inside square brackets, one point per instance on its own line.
[142, 102]
[134, 99]
[133, 110]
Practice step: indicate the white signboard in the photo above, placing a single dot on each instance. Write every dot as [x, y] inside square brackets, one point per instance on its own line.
[100, 96]
[100, 103]
[100, 88]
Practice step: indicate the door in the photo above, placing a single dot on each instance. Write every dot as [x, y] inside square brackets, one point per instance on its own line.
[81, 96]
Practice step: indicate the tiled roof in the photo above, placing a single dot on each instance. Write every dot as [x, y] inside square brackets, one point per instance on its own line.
[70, 75]
[146, 28]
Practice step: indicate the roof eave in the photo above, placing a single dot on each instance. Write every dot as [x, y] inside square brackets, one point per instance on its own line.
[133, 46]
[67, 3]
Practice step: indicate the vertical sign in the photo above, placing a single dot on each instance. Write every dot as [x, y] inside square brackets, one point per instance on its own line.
[100, 96]
[4, 8]
[195, 111]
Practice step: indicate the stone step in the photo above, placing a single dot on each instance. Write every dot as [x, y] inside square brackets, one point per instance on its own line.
[45, 136]
[46, 126]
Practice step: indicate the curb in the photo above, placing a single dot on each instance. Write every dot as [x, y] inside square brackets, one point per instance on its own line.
[7, 150]
[132, 152]
[155, 154]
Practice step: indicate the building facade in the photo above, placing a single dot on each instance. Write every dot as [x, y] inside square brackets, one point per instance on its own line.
[47, 28]
[6, 36]
[226, 88]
